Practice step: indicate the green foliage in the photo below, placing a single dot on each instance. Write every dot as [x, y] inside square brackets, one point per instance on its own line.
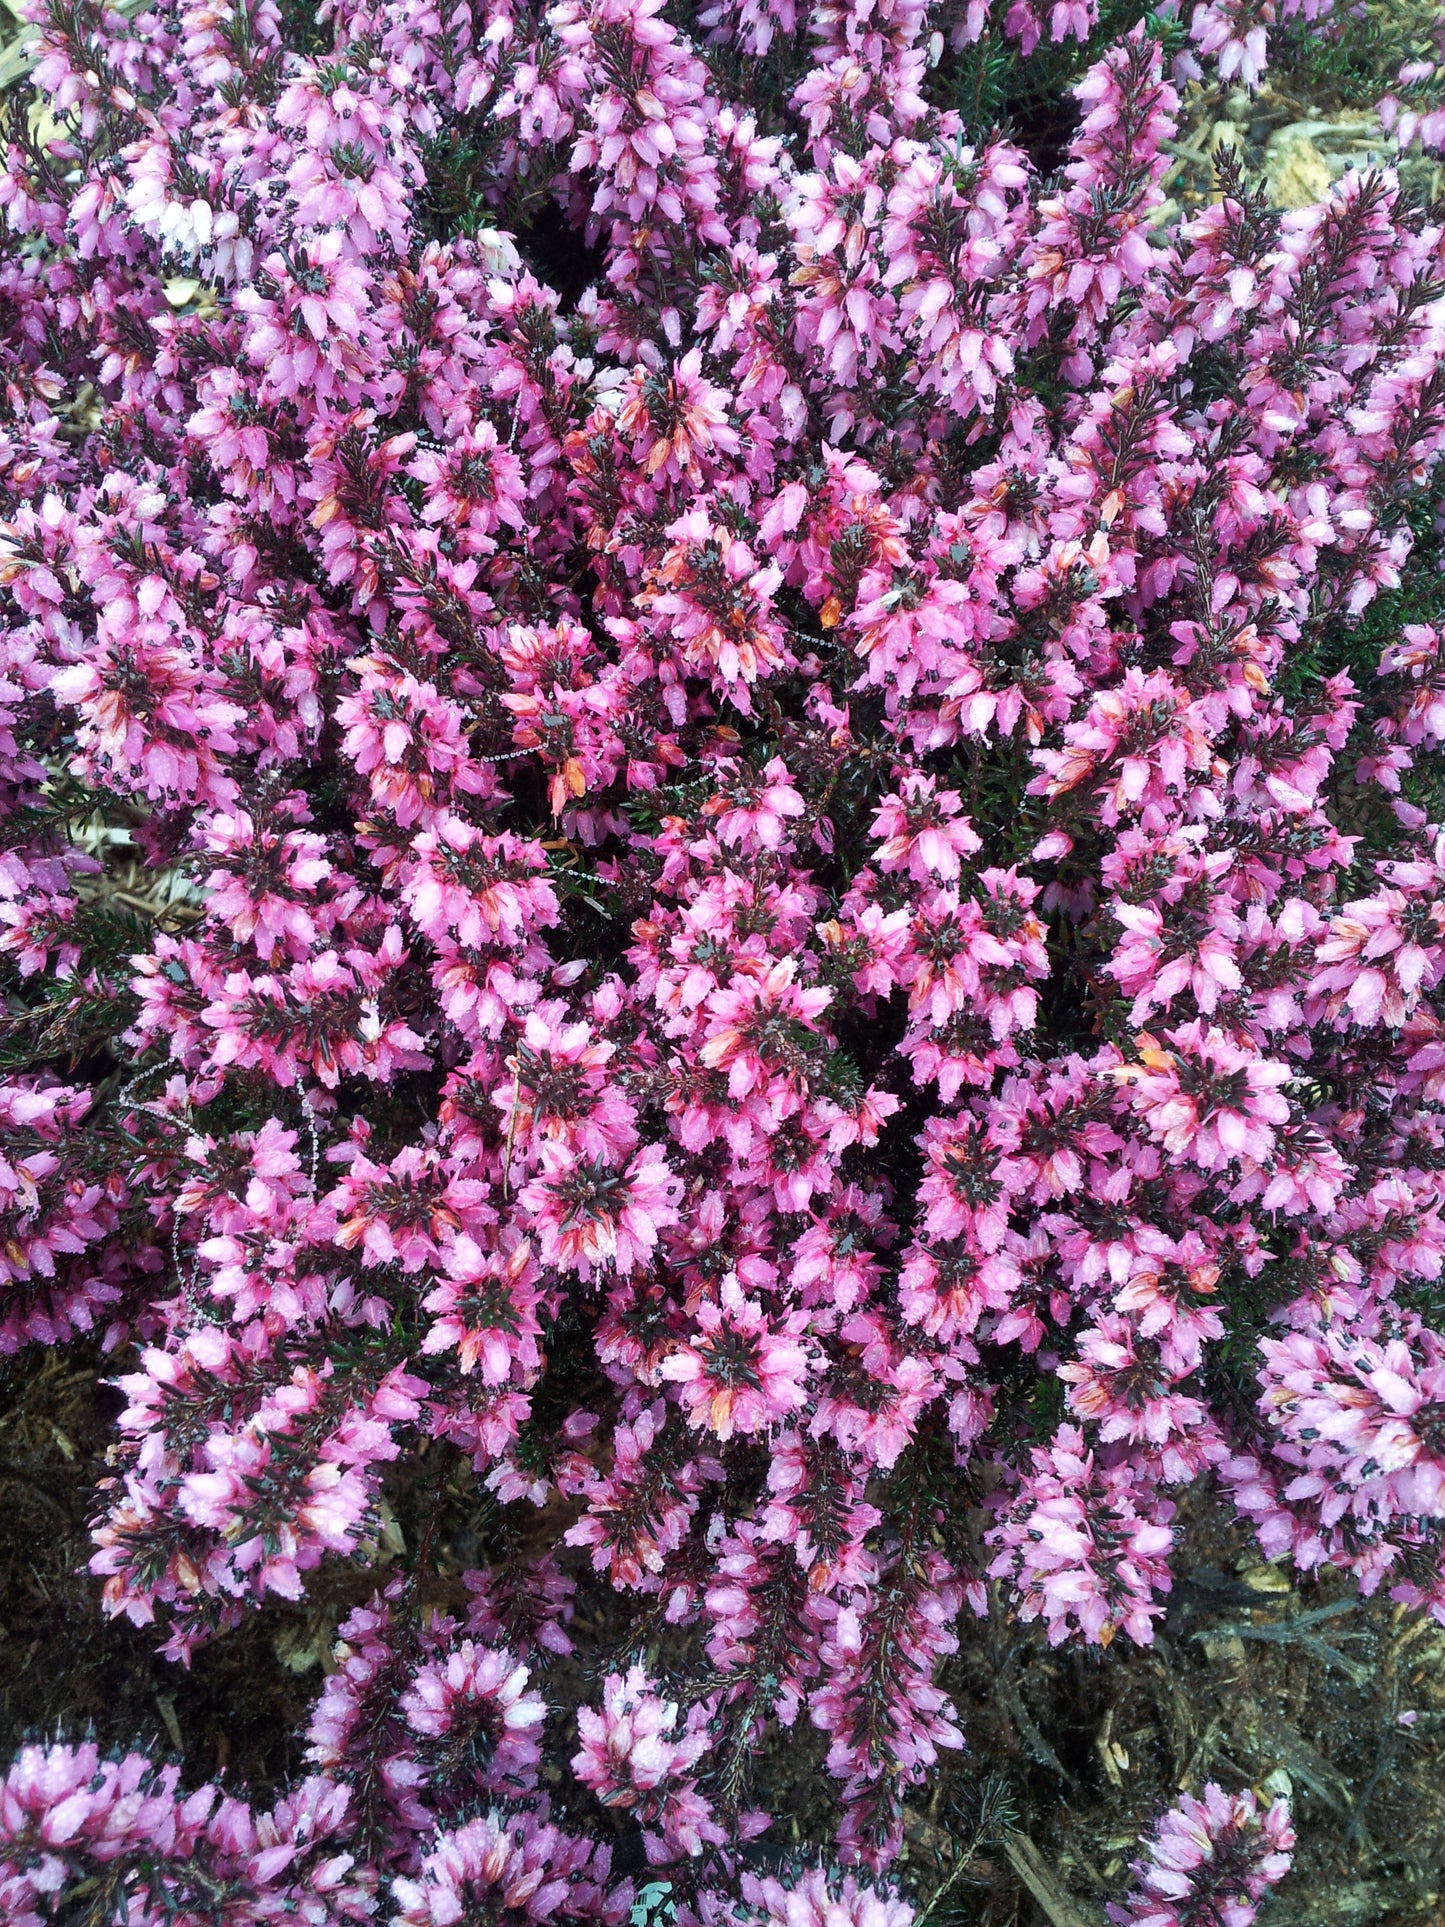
[304, 29]
[1345, 57]
[1337, 641]
[992, 85]
[458, 163]
[978, 1815]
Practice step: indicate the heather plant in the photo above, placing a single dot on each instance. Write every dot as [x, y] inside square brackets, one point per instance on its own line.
[1211, 1861]
[804, 910]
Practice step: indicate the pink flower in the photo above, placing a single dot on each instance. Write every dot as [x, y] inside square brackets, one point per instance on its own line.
[1085, 1547]
[815, 1901]
[742, 1373]
[1383, 951]
[605, 848]
[924, 832]
[487, 1308]
[755, 815]
[590, 1216]
[1208, 1099]
[477, 1696]
[634, 1757]
[1209, 1859]
[515, 1865]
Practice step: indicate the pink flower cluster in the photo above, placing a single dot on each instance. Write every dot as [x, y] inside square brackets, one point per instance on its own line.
[72, 1822]
[425, 1715]
[790, 926]
[636, 1757]
[1210, 1862]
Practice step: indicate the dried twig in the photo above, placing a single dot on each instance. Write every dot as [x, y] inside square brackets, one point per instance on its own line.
[1036, 1874]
